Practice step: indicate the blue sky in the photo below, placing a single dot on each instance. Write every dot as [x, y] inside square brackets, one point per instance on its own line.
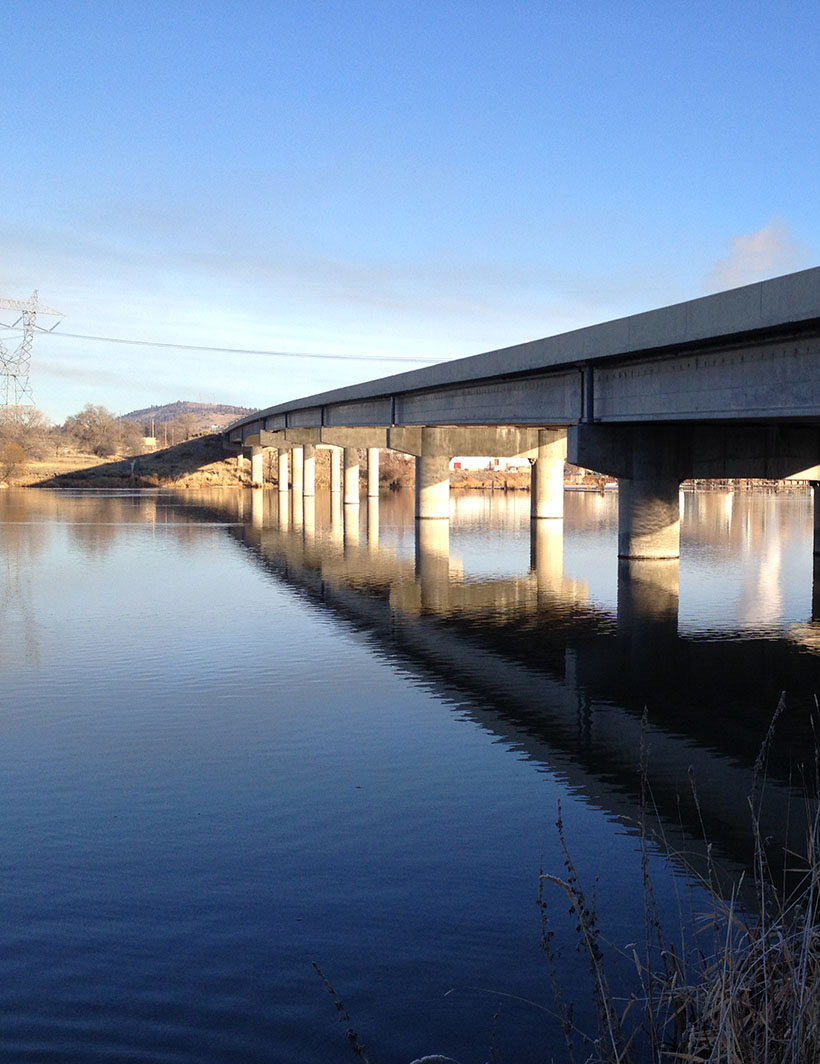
[398, 180]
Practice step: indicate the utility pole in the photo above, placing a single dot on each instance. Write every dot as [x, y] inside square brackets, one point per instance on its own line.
[15, 389]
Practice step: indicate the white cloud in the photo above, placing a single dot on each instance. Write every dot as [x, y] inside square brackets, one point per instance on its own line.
[768, 252]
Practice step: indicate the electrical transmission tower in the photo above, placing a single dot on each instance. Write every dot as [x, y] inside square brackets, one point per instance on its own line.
[15, 389]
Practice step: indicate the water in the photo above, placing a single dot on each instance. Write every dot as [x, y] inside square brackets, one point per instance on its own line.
[239, 739]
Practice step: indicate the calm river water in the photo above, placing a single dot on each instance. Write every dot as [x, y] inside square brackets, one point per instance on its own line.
[240, 737]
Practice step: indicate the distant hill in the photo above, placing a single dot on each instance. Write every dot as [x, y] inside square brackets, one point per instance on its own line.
[201, 416]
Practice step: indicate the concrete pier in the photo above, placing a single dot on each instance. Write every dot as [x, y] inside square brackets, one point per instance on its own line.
[547, 478]
[336, 470]
[298, 471]
[648, 518]
[309, 470]
[372, 472]
[284, 477]
[433, 476]
[257, 466]
[351, 476]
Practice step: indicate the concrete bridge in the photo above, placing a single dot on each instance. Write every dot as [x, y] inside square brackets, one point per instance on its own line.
[723, 386]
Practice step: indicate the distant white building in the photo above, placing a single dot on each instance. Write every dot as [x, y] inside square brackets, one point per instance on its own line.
[483, 461]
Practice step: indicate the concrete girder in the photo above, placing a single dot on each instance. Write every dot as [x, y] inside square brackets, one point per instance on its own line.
[354, 437]
[501, 441]
[702, 451]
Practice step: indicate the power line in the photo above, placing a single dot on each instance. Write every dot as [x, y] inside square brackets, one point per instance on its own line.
[241, 350]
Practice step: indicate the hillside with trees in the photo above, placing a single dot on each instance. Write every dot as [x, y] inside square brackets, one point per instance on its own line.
[32, 448]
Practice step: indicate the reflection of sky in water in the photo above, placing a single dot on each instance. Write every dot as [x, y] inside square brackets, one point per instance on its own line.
[746, 562]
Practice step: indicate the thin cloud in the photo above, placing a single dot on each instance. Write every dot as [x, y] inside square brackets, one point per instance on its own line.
[768, 252]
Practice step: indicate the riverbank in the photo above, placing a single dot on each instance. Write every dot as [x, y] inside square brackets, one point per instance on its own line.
[201, 462]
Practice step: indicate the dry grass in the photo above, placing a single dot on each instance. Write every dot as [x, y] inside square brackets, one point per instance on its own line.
[736, 987]
[752, 998]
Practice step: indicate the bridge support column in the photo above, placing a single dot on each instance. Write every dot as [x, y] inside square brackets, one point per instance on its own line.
[649, 518]
[336, 470]
[649, 461]
[372, 472]
[257, 466]
[310, 470]
[433, 476]
[298, 474]
[351, 476]
[283, 469]
[547, 483]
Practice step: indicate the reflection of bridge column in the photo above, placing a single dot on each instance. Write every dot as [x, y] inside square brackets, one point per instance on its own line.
[257, 506]
[372, 472]
[336, 519]
[373, 523]
[257, 466]
[433, 563]
[336, 470]
[351, 522]
[310, 470]
[547, 554]
[433, 476]
[310, 518]
[284, 507]
[298, 509]
[351, 476]
[298, 473]
[547, 478]
[648, 591]
[283, 469]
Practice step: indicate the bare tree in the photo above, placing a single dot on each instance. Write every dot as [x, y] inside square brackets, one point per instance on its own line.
[94, 430]
[12, 461]
[26, 426]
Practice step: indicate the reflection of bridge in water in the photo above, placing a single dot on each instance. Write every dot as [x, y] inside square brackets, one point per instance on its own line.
[532, 660]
